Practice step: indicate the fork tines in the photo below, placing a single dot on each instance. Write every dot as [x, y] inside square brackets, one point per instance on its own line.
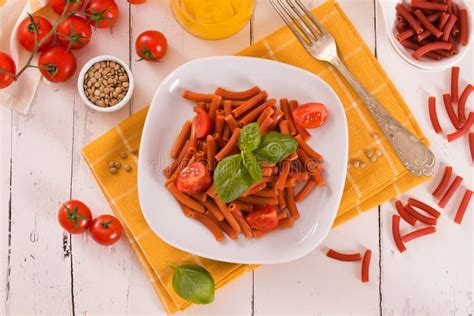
[304, 25]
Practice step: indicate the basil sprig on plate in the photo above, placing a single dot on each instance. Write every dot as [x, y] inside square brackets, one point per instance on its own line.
[193, 283]
[236, 173]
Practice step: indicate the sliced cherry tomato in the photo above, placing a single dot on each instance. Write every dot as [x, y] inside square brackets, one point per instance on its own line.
[136, 1]
[34, 27]
[106, 230]
[201, 123]
[74, 216]
[6, 64]
[310, 115]
[74, 32]
[263, 218]
[102, 13]
[194, 178]
[57, 64]
[59, 5]
[151, 45]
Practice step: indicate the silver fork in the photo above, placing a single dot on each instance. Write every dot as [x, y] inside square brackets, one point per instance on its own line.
[414, 155]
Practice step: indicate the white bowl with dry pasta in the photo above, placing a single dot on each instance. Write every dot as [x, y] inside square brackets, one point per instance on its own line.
[105, 83]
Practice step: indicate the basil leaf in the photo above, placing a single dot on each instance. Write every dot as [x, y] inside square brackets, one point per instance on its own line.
[194, 284]
[250, 137]
[275, 147]
[231, 178]
[250, 162]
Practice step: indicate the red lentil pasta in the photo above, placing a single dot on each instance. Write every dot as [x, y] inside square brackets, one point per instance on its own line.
[283, 184]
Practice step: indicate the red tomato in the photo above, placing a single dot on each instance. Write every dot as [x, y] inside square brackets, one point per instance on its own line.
[59, 5]
[106, 230]
[74, 32]
[310, 115]
[7, 64]
[201, 123]
[194, 178]
[136, 1]
[57, 64]
[27, 29]
[151, 45]
[74, 216]
[102, 13]
[263, 218]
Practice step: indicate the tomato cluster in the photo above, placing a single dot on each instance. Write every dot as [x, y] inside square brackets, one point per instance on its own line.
[76, 217]
[57, 62]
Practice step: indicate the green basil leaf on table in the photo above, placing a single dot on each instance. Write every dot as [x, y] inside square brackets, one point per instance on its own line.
[231, 178]
[250, 137]
[275, 147]
[193, 283]
[250, 162]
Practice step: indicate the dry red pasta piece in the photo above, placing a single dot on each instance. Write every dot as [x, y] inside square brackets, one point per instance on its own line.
[463, 206]
[246, 207]
[425, 207]
[449, 27]
[186, 210]
[277, 116]
[463, 130]
[198, 97]
[422, 218]
[471, 145]
[267, 122]
[454, 85]
[284, 129]
[181, 140]
[259, 186]
[210, 224]
[307, 149]
[430, 6]
[427, 24]
[418, 233]
[231, 122]
[212, 191]
[409, 18]
[250, 104]
[183, 198]
[405, 35]
[414, 46]
[280, 184]
[462, 103]
[450, 192]
[225, 227]
[227, 107]
[431, 47]
[347, 257]
[450, 111]
[254, 114]
[241, 95]
[421, 37]
[365, 266]
[227, 214]
[269, 192]
[396, 233]
[281, 199]
[214, 210]
[285, 107]
[404, 214]
[290, 200]
[307, 188]
[434, 17]
[433, 116]
[448, 170]
[463, 27]
[443, 20]
[229, 146]
[266, 113]
[257, 200]
[234, 209]
[211, 151]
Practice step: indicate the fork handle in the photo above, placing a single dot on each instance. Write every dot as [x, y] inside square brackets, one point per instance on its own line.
[414, 155]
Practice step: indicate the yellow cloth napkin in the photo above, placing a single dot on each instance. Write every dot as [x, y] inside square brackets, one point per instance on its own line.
[364, 188]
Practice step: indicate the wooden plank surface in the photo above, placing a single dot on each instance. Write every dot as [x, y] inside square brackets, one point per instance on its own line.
[46, 272]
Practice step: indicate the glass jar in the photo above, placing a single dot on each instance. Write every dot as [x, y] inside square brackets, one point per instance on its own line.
[212, 19]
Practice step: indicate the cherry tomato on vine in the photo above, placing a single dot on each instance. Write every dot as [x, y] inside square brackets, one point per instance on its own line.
[74, 216]
[34, 28]
[136, 1]
[74, 32]
[57, 64]
[151, 45]
[102, 13]
[59, 5]
[310, 115]
[106, 230]
[263, 218]
[6, 64]
[194, 178]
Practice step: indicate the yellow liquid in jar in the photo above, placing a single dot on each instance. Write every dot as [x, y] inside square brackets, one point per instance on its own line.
[212, 19]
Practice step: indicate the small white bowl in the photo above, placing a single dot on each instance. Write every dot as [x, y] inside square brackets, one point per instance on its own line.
[80, 84]
[389, 15]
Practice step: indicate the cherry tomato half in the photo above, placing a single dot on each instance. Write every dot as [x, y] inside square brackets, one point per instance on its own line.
[263, 218]
[106, 230]
[74, 216]
[7, 64]
[310, 115]
[27, 29]
[136, 1]
[57, 64]
[59, 5]
[74, 32]
[201, 123]
[194, 178]
[102, 13]
[151, 45]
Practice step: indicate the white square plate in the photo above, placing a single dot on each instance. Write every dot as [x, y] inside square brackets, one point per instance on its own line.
[169, 110]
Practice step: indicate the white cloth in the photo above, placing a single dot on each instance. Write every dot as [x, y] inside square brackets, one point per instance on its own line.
[20, 93]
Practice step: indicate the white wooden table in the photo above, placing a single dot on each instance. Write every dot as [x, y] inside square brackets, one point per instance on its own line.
[44, 271]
